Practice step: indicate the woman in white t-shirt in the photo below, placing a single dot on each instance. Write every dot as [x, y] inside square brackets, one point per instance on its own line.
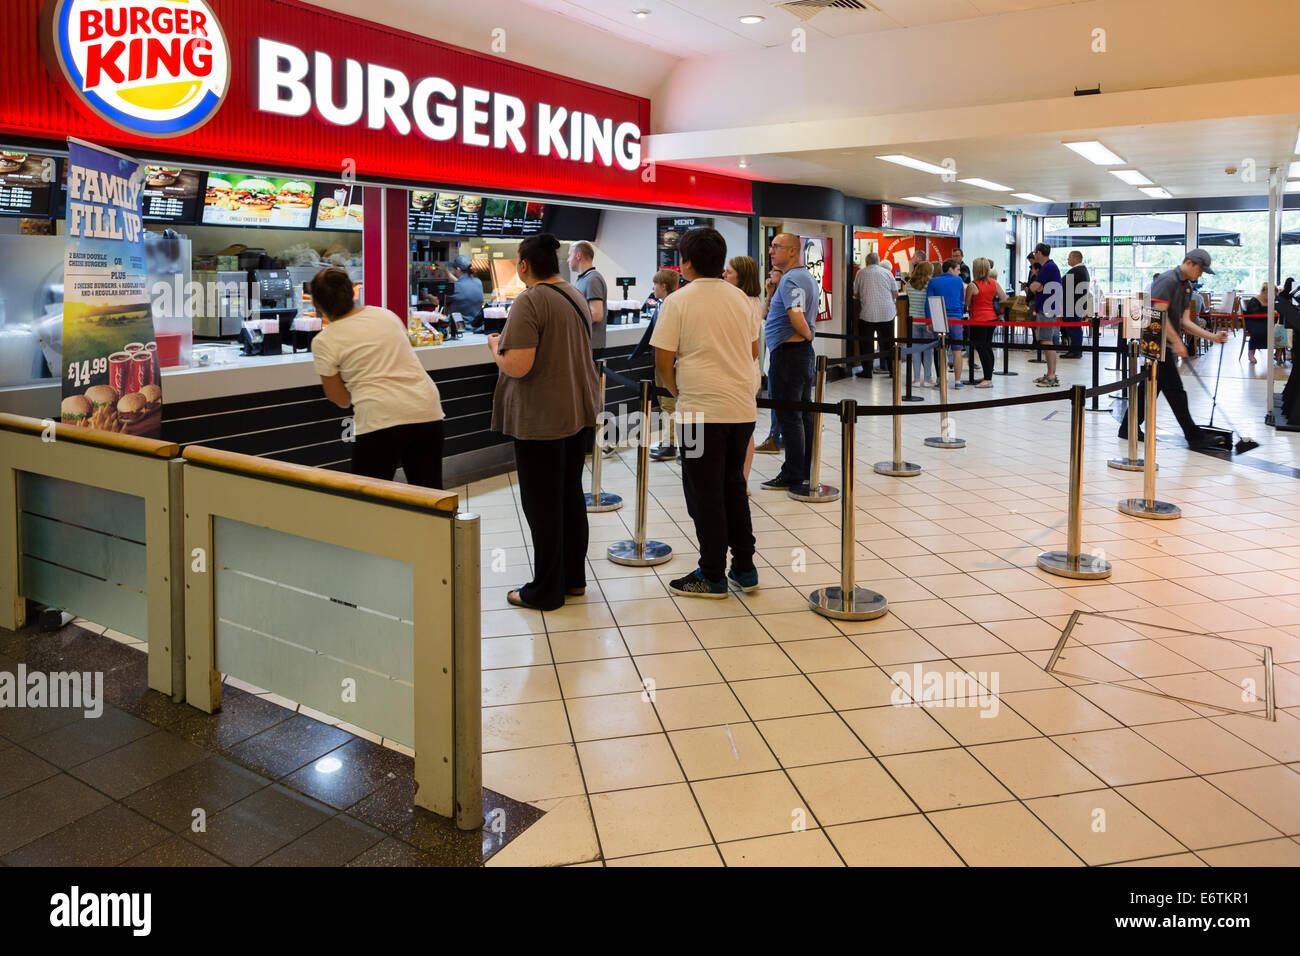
[742, 272]
[365, 361]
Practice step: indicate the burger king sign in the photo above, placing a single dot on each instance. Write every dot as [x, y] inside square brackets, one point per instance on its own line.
[153, 67]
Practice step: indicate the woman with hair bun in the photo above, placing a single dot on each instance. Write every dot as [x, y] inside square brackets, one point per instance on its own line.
[546, 400]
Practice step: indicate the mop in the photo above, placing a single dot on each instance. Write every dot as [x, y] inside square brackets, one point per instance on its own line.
[1221, 436]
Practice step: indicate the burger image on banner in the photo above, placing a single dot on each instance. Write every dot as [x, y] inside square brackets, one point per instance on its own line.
[152, 67]
[295, 195]
[256, 198]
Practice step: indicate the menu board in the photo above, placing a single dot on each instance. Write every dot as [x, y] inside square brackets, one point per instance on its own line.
[232, 199]
[1152, 343]
[339, 207]
[446, 213]
[26, 181]
[171, 194]
[671, 229]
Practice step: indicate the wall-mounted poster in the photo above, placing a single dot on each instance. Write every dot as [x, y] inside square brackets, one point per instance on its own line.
[669, 230]
[818, 257]
[111, 377]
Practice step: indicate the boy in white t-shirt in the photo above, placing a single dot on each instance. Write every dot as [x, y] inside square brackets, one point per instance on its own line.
[705, 346]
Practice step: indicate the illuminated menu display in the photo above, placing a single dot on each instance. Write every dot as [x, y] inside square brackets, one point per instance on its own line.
[171, 194]
[446, 213]
[25, 183]
[339, 207]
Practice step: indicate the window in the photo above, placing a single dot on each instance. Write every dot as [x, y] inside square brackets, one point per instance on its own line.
[1290, 258]
[1238, 244]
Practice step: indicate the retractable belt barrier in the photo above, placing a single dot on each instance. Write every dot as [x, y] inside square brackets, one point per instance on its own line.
[600, 501]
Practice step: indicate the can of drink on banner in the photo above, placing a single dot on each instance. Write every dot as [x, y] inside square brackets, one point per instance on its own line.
[119, 371]
[133, 347]
[156, 371]
[141, 371]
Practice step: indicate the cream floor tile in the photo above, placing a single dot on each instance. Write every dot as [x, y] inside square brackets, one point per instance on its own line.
[769, 697]
[745, 663]
[1146, 658]
[516, 726]
[597, 678]
[1204, 746]
[899, 841]
[660, 638]
[771, 599]
[563, 837]
[927, 614]
[1121, 757]
[511, 621]
[963, 640]
[1002, 834]
[1272, 793]
[818, 738]
[650, 611]
[706, 609]
[519, 685]
[850, 791]
[703, 705]
[1197, 814]
[722, 751]
[752, 805]
[537, 774]
[578, 617]
[805, 848]
[597, 644]
[980, 721]
[1102, 827]
[1265, 853]
[693, 857]
[613, 715]
[1176, 859]
[898, 730]
[649, 820]
[1134, 708]
[1013, 672]
[626, 763]
[826, 654]
[680, 669]
[634, 589]
[952, 585]
[730, 632]
[1035, 768]
[943, 779]
[1279, 739]
[1058, 710]
[521, 651]
[859, 687]
[897, 647]
[797, 626]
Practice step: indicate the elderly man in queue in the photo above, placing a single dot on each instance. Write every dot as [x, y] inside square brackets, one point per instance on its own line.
[789, 335]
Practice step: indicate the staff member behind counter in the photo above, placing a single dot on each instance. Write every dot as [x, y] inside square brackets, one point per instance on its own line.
[365, 360]
[468, 297]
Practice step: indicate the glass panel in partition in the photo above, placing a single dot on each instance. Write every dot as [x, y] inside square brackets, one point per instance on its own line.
[1238, 244]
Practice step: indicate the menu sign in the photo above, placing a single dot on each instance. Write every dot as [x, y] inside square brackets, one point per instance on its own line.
[339, 207]
[1152, 342]
[235, 200]
[512, 217]
[446, 213]
[671, 229]
[171, 194]
[25, 183]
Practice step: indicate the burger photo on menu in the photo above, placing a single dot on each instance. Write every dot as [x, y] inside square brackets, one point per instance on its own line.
[103, 404]
[159, 176]
[422, 201]
[9, 161]
[136, 415]
[329, 209]
[295, 195]
[256, 197]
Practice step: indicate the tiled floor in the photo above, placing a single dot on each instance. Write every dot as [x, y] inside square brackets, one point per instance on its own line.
[751, 731]
[656, 731]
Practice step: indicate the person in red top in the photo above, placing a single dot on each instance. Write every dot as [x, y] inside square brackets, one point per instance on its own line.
[981, 293]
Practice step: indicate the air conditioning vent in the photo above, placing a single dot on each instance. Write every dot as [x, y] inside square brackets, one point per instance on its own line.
[807, 9]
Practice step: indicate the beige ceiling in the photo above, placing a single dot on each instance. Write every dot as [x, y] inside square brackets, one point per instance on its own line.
[695, 27]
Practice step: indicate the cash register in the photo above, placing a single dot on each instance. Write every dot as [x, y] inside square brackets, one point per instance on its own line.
[272, 321]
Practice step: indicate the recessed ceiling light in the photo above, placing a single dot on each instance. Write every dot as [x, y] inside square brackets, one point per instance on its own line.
[1095, 152]
[1031, 197]
[1295, 171]
[744, 164]
[1130, 176]
[641, 13]
[920, 164]
[985, 184]
[1157, 192]
[1293, 186]
[923, 201]
[752, 19]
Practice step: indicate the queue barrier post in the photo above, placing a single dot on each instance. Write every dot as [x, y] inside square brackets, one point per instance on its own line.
[1096, 360]
[640, 553]
[599, 501]
[1006, 352]
[1132, 462]
[897, 468]
[1072, 563]
[1147, 506]
[946, 438]
[813, 490]
[909, 397]
[848, 602]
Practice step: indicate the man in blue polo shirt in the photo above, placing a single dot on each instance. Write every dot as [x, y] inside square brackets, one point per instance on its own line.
[949, 286]
[789, 336]
[1048, 296]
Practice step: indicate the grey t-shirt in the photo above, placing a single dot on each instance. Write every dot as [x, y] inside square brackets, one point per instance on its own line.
[593, 288]
[1172, 288]
[558, 397]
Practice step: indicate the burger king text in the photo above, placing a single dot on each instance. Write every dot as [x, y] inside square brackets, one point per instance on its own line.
[435, 108]
[92, 196]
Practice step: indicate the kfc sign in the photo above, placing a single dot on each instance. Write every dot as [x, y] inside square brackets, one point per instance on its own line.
[152, 67]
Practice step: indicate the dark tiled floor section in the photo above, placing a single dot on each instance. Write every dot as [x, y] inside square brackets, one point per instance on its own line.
[153, 783]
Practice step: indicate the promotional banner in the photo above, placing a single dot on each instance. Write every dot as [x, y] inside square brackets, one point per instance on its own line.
[111, 377]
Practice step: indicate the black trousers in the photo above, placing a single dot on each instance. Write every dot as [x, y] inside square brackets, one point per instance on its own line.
[550, 491]
[713, 478]
[790, 378]
[1073, 335]
[981, 341]
[876, 336]
[1170, 384]
[417, 448]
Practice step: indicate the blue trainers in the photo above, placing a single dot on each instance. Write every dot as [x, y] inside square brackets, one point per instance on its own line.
[696, 584]
[747, 581]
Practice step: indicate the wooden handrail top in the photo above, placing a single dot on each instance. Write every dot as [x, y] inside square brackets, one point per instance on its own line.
[92, 436]
[322, 479]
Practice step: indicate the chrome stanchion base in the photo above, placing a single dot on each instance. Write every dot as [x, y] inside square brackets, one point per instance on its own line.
[607, 502]
[1141, 508]
[1127, 464]
[861, 604]
[946, 442]
[912, 398]
[627, 553]
[805, 492]
[899, 469]
[1084, 567]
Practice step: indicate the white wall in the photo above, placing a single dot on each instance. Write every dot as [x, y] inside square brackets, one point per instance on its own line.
[984, 232]
[626, 245]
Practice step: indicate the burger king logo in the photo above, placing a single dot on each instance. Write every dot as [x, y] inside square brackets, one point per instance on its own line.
[153, 67]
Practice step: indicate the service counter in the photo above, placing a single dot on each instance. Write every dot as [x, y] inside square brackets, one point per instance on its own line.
[273, 406]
